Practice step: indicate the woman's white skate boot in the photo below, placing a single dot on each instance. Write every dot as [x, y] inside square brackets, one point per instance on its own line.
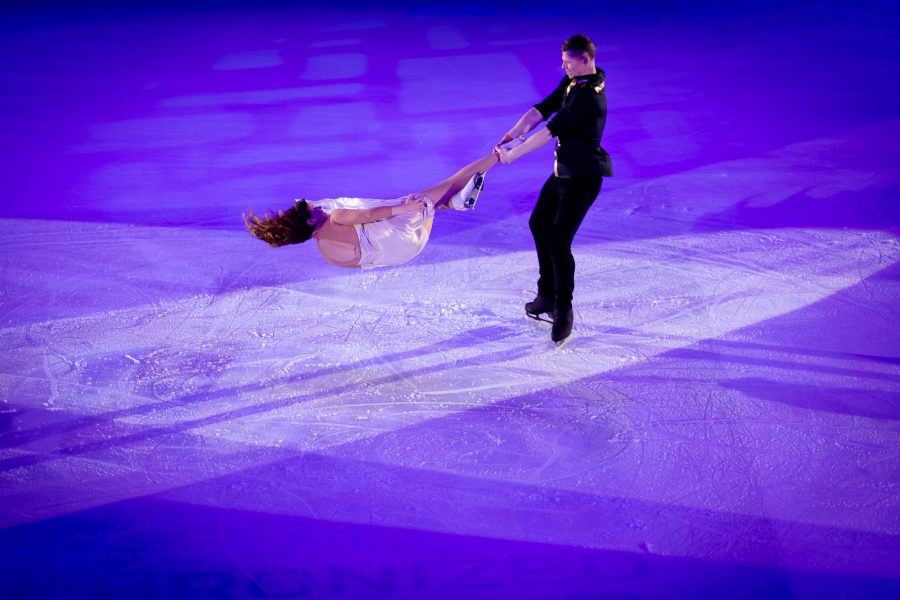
[465, 198]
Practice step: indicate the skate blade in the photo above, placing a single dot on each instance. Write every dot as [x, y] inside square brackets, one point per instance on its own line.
[563, 342]
[469, 203]
[538, 317]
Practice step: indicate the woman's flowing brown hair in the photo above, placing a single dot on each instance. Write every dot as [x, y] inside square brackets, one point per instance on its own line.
[282, 228]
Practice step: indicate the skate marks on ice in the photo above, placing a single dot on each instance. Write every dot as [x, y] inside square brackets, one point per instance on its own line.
[106, 405]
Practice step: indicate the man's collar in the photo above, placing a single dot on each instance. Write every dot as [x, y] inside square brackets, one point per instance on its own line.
[587, 78]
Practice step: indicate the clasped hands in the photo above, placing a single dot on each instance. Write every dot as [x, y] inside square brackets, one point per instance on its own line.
[506, 155]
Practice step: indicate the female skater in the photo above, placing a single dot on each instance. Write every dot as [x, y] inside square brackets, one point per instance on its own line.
[356, 232]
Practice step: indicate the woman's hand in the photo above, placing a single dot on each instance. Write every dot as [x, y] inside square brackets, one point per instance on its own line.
[413, 203]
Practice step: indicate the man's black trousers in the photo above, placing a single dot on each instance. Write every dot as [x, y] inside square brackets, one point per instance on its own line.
[559, 211]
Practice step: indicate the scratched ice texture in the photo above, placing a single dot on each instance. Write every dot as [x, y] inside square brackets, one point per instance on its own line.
[187, 413]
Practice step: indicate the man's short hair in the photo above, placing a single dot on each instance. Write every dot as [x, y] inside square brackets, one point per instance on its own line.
[579, 44]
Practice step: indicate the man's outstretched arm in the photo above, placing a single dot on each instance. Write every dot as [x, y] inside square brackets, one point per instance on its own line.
[528, 122]
[530, 145]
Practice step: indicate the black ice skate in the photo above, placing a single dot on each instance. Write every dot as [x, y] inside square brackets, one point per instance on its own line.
[539, 306]
[562, 326]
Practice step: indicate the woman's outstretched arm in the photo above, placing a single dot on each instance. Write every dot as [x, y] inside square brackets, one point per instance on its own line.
[351, 216]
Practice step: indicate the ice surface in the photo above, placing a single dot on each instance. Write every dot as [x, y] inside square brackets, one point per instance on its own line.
[185, 412]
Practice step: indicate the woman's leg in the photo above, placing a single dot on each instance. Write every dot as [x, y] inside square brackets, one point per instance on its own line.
[443, 191]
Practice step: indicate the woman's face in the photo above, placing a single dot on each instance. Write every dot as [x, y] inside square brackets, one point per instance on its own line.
[317, 216]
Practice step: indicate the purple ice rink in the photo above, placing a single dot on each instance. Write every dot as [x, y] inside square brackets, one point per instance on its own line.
[186, 413]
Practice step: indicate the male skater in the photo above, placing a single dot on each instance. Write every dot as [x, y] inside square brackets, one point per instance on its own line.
[578, 171]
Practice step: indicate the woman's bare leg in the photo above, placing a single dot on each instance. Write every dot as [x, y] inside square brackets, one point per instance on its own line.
[443, 191]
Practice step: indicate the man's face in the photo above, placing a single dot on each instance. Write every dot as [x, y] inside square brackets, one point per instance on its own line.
[575, 64]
